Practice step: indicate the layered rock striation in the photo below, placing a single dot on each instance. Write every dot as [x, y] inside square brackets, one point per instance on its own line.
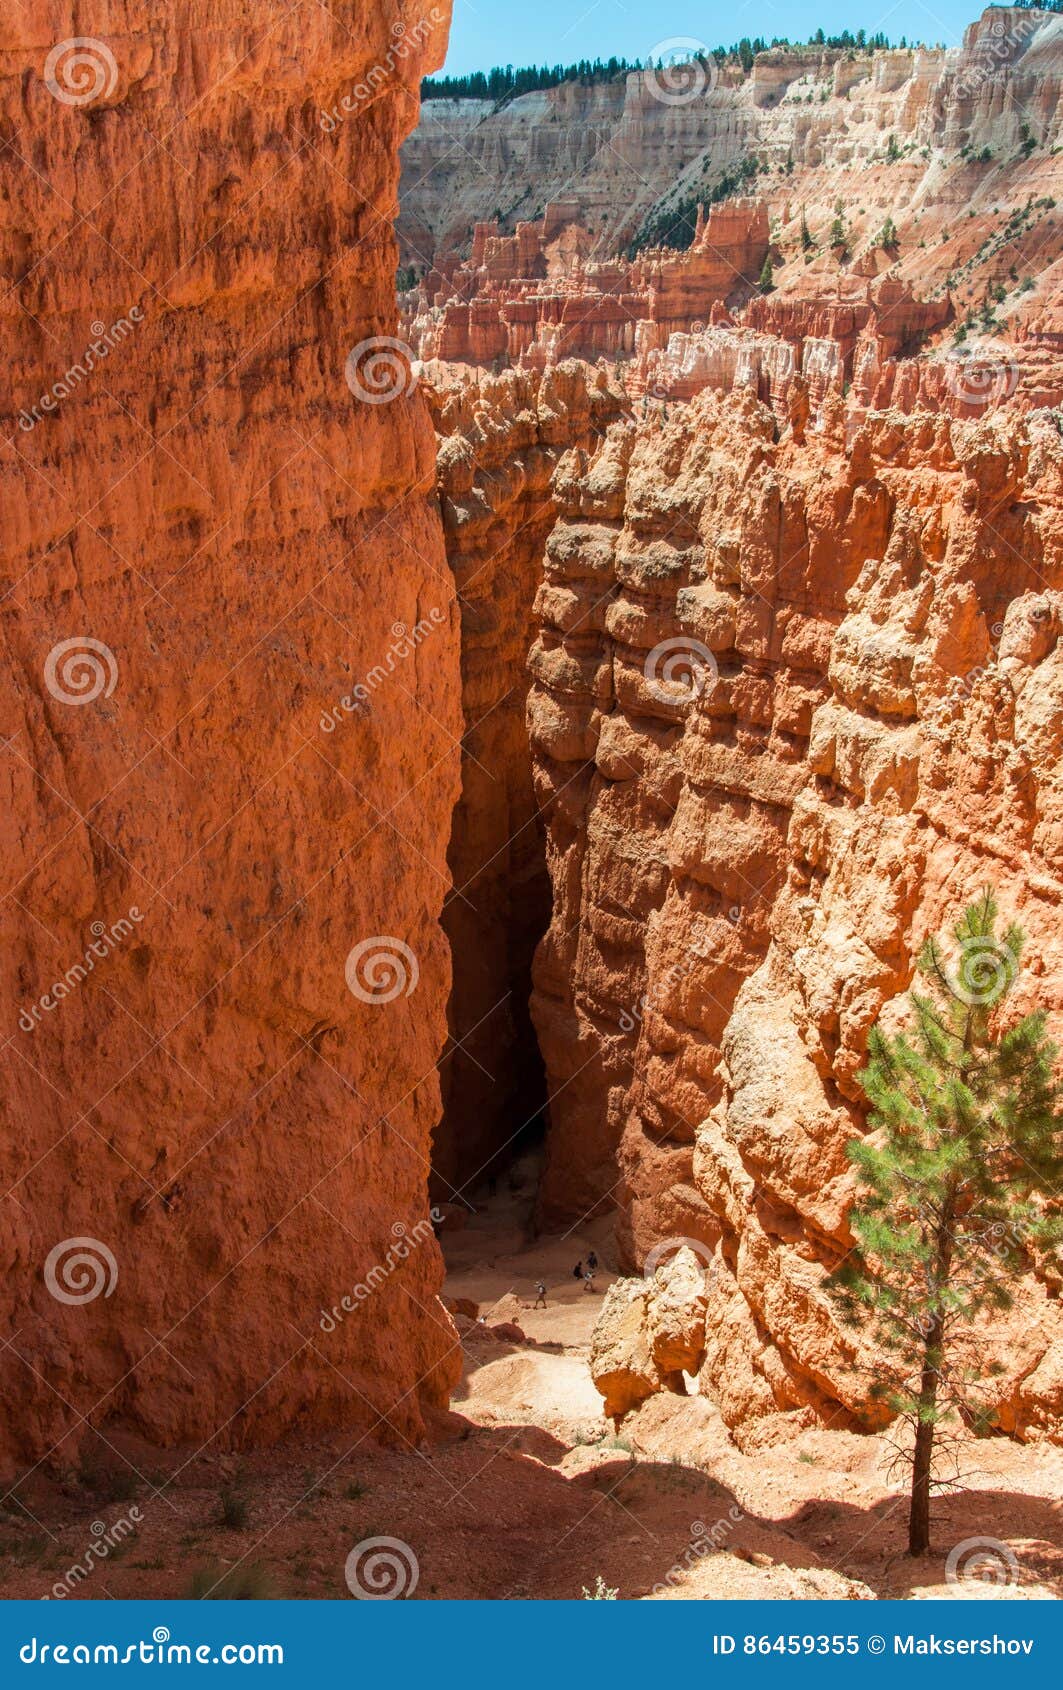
[500, 440]
[817, 122]
[531, 298]
[795, 700]
[224, 978]
[793, 670]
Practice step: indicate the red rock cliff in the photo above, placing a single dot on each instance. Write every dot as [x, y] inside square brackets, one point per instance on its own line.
[500, 440]
[225, 1097]
[812, 703]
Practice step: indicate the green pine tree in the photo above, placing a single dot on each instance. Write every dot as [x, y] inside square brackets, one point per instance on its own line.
[966, 1144]
[767, 283]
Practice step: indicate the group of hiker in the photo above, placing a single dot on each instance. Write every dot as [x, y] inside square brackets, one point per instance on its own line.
[586, 1274]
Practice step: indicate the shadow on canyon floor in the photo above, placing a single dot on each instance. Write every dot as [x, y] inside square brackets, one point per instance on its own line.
[526, 1491]
[507, 1510]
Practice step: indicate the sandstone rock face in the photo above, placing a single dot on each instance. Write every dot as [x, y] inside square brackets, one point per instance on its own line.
[902, 198]
[819, 121]
[500, 440]
[198, 833]
[530, 297]
[809, 705]
[650, 1332]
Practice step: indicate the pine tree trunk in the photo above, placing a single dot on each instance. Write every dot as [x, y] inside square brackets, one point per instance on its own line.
[933, 1356]
[919, 1513]
[930, 1377]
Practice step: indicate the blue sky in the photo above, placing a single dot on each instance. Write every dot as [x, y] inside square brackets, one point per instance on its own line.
[519, 32]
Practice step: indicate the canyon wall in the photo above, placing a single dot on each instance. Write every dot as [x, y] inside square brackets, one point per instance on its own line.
[796, 699]
[500, 440]
[950, 145]
[794, 680]
[230, 732]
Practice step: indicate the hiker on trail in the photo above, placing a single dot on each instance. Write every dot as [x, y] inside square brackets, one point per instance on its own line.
[577, 1271]
[588, 1280]
[540, 1296]
[592, 1262]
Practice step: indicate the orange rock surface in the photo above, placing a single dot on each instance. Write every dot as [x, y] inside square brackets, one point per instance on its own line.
[793, 692]
[530, 297]
[501, 438]
[232, 539]
[809, 704]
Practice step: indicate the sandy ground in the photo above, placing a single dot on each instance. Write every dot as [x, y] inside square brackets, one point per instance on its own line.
[528, 1492]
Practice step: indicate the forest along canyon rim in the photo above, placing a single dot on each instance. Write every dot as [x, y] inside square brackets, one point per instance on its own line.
[686, 618]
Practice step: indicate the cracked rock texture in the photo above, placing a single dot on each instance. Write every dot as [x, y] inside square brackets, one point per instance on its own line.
[500, 440]
[747, 852]
[209, 1101]
[818, 119]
